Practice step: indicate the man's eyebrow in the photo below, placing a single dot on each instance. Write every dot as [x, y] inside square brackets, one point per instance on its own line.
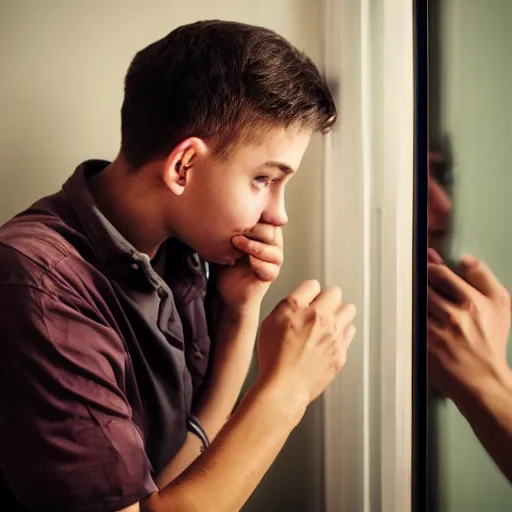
[284, 168]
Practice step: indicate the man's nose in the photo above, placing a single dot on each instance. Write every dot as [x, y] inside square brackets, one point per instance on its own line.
[275, 213]
[440, 202]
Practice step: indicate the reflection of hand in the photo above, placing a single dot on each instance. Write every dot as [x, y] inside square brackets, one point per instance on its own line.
[468, 326]
[243, 286]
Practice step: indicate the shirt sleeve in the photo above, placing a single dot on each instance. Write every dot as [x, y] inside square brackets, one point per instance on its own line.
[67, 439]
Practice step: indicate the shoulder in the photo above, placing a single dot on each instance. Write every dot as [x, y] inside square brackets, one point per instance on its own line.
[49, 318]
[36, 250]
[37, 237]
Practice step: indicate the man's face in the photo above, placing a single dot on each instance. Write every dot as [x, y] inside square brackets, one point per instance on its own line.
[224, 199]
[439, 207]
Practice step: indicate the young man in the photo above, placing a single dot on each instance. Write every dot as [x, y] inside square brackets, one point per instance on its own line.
[118, 367]
[469, 317]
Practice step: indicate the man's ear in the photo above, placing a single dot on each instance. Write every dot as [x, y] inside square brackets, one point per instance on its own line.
[181, 162]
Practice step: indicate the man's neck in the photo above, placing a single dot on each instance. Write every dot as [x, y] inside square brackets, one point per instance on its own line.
[123, 196]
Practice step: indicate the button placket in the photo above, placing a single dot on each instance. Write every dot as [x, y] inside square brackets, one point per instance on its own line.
[160, 285]
[161, 292]
[198, 352]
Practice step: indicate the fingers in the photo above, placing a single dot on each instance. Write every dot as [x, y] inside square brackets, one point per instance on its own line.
[438, 344]
[344, 329]
[260, 250]
[439, 307]
[341, 346]
[434, 256]
[305, 293]
[478, 275]
[266, 233]
[264, 271]
[329, 300]
[264, 246]
[434, 327]
[349, 335]
[449, 284]
[344, 317]
[328, 305]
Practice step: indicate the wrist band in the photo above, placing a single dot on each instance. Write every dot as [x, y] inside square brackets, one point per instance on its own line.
[194, 426]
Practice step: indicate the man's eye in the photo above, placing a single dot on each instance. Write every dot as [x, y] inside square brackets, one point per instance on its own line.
[262, 181]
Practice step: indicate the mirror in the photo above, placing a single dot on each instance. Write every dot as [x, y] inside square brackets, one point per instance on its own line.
[470, 405]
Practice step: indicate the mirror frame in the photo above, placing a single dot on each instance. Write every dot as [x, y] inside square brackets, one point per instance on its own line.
[420, 377]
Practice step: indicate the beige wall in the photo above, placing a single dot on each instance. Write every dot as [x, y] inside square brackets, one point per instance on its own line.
[62, 65]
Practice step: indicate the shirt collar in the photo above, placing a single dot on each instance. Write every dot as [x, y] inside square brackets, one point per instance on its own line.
[108, 243]
[112, 248]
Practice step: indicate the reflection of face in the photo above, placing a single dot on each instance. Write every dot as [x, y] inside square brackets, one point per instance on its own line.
[223, 199]
[439, 209]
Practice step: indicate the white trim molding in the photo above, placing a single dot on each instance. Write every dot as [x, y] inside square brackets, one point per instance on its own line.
[396, 254]
[346, 239]
[368, 222]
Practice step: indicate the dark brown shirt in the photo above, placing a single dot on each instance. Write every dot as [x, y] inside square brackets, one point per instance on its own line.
[102, 353]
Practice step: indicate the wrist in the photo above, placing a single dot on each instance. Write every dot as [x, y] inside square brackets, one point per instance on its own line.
[287, 405]
[481, 393]
[248, 314]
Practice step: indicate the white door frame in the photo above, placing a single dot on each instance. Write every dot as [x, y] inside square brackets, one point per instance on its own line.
[368, 222]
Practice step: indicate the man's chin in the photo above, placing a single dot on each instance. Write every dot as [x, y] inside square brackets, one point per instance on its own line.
[234, 259]
[228, 259]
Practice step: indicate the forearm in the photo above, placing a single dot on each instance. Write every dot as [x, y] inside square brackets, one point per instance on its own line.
[235, 336]
[235, 346]
[488, 408]
[224, 477]
[190, 450]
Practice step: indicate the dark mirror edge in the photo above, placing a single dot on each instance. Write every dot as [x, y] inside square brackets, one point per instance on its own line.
[419, 363]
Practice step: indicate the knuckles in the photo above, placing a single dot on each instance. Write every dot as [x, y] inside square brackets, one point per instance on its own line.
[453, 321]
[322, 321]
[503, 299]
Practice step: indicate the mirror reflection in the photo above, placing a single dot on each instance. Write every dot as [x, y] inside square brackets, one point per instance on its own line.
[470, 250]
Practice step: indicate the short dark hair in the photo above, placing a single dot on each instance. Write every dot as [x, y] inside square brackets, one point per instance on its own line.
[218, 80]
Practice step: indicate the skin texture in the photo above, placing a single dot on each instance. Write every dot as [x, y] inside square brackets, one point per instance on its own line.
[468, 329]
[231, 213]
[469, 318]
[302, 346]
